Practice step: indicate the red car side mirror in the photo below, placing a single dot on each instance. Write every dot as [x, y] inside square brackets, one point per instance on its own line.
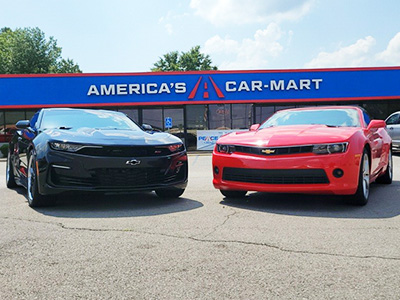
[254, 127]
[376, 124]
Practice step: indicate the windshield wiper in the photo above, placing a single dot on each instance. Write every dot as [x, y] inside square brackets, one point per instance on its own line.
[64, 128]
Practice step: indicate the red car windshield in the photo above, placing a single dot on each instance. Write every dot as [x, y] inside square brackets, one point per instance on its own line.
[328, 117]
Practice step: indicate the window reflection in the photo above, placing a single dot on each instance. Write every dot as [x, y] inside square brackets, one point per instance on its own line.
[220, 116]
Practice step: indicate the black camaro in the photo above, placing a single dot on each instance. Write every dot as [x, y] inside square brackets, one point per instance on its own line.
[64, 149]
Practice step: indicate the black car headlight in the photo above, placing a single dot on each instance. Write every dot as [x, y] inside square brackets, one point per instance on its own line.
[63, 146]
[225, 148]
[330, 148]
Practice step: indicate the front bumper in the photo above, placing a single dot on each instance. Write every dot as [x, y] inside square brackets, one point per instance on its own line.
[62, 171]
[302, 173]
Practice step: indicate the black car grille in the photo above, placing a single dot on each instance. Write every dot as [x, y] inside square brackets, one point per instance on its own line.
[274, 150]
[120, 177]
[270, 176]
[133, 177]
[125, 151]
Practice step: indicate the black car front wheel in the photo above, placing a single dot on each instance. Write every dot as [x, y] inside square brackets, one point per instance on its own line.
[10, 179]
[169, 192]
[35, 199]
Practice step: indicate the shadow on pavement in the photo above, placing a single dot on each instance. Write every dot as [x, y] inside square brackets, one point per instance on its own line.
[383, 203]
[116, 206]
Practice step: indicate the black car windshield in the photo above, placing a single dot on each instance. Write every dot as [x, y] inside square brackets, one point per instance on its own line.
[96, 119]
[328, 117]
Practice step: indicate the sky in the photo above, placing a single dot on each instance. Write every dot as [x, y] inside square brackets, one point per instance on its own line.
[119, 36]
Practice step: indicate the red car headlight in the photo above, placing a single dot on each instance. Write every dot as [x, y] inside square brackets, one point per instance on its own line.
[330, 148]
[225, 148]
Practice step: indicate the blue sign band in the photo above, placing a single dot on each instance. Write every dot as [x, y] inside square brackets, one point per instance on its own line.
[199, 87]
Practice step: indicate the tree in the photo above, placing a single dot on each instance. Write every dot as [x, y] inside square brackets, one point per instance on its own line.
[192, 60]
[26, 51]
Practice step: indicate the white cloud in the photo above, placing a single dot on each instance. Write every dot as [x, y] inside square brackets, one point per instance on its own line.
[355, 55]
[226, 12]
[169, 28]
[392, 53]
[249, 53]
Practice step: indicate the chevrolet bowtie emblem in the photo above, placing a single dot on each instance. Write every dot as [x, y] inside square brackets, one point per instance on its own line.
[133, 162]
[268, 151]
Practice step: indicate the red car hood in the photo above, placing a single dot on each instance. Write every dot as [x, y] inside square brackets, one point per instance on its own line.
[290, 136]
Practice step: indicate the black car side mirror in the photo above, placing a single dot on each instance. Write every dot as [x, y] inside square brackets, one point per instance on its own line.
[23, 124]
[147, 127]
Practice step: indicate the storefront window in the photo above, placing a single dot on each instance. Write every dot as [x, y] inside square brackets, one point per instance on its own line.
[377, 110]
[176, 114]
[153, 117]
[280, 107]
[220, 116]
[29, 114]
[2, 128]
[12, 117]
[196, 119]
[241, 116]
[262, 113]
[131, 113]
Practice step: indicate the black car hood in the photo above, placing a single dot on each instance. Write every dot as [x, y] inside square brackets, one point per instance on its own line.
[110, 137]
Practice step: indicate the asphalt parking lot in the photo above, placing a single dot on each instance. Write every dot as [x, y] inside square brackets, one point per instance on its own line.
[266, 246]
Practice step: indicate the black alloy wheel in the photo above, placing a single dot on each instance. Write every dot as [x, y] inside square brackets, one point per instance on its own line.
[35, 199]
[10, 179]
[362, 193]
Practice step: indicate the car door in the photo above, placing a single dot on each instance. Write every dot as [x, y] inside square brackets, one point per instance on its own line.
[393, 128]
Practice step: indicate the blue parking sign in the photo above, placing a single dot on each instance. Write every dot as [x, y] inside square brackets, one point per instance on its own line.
[168, 122]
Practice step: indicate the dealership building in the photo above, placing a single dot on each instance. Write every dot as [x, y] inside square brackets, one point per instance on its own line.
[200, 106]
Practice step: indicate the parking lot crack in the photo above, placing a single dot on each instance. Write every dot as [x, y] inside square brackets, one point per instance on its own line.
[215, 228]
[205, 240]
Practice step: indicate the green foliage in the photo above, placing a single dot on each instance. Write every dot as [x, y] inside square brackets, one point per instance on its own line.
[26, 51]
[192, 60]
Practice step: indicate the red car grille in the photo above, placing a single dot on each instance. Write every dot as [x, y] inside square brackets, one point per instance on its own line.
[313, 176]
[274, 150]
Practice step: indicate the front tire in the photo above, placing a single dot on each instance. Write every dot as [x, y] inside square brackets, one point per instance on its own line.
[233, 194]
[169, 193]
[387, 178]
[35, 199]
[362, 193]
[10, 178]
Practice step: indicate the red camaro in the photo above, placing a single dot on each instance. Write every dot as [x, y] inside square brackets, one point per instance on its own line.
[325, 150]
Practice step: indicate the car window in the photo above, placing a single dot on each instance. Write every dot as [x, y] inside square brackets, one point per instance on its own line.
[394, 119]
[32, 122]
[329, 117]
[367, 118]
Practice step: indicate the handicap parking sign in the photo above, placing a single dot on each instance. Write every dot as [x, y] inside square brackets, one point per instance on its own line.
[168, 122]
